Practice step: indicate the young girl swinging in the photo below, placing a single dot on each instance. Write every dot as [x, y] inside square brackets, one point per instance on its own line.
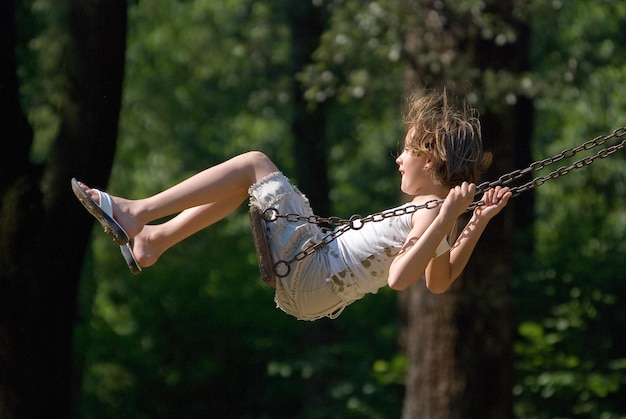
[442, 159]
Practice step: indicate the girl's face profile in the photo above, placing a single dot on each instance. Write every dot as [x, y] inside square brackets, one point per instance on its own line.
[412, 167]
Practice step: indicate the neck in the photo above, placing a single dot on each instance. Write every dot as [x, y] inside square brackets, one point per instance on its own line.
[432, 190]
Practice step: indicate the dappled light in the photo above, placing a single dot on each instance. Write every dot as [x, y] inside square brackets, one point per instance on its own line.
[535, 327]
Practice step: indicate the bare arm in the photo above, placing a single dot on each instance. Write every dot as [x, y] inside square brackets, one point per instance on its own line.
[427, 232]
[415, 258]
[442, 271]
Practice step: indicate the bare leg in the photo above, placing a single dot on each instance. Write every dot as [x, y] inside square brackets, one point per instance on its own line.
[227, 181]
[225, 186]
[154, 240]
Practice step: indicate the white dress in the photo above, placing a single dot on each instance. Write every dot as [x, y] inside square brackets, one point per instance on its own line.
[323, 283]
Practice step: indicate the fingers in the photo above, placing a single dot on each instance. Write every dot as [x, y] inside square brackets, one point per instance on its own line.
[463, 190]
[459, 198]
[506, 195]
[493, 201]
[496, 196]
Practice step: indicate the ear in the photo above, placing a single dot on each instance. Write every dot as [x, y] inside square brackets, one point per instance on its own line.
[430, 162]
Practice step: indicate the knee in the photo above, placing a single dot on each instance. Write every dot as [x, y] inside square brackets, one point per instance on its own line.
[260, 164]
[257, 159]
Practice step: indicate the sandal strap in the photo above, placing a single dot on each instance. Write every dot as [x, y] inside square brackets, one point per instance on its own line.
[105, 202]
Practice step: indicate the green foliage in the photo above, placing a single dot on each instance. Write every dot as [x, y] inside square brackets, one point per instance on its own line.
[40, 54]
[200, 336]
[571, 351]
[206, 80]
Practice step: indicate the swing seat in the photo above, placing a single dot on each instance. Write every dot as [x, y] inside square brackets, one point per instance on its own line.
[259, 236]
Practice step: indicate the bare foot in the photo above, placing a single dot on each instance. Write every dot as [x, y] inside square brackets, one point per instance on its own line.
[146, 250]
[122, 211]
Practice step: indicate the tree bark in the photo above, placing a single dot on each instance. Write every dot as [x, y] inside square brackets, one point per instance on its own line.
[430, 336]
[460, 344]
[43, 231]
[307, 22]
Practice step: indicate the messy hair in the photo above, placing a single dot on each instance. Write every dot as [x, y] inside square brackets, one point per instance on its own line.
[450, 134]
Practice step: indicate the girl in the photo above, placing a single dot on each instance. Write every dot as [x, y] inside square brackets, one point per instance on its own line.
[442, 159]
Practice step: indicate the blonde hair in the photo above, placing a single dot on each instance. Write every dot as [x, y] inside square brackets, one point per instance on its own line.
[450, 134]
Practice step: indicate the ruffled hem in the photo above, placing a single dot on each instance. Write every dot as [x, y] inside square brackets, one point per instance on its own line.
[259, 183]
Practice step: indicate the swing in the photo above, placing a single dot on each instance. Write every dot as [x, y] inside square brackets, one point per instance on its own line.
[271, 270]
[259, 236]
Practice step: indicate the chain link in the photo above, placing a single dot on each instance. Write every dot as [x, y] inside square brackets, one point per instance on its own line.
[356, 222]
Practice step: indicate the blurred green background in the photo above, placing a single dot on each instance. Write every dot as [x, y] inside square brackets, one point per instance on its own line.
[198, 335]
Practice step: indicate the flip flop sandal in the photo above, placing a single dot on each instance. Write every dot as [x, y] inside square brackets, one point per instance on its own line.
[129, 257]
[126, 249]
[106, 206]
[103, 212]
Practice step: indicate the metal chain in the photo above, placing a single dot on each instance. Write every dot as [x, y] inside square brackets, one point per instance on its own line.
[579, 164]
[356, 222]
[565, 154]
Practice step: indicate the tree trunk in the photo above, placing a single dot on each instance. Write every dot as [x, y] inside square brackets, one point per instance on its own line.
[460, 344]
[430, 336]
[307, 23]
[43, 231]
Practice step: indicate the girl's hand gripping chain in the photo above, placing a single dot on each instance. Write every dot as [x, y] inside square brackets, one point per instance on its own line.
[458, 199]
[493, 201]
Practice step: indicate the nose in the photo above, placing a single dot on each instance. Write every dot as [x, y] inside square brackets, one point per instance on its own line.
[399, 159]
